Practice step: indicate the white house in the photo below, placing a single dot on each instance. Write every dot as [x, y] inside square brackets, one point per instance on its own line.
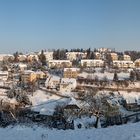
[5, 56]
[126, 57]
[74, 55]
[123, 64]
[22, 66]
[52, 82]
[92, 63]
[103, 50]
[71, 72]
[22, 58]
[97, 55]
[67, 84]
[3, 75]
[59, 63]
[137, 63]
[32, 56]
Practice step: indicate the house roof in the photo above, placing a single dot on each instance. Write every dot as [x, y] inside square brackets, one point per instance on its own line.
[92, 60]
[71, 106]
[68, 80]
[72, 69]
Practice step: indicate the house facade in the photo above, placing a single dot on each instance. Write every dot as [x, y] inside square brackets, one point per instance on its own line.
[113, 56]
[71, 111]
[70, 72]
[126, 57]
[5, 57]
[4, 75]
[92, 63]
[28, 76]
[74, 55]
[97, 55]
[67, 84]
[123, 64]
[32, 56]
[22, 58]
[52, 82]
[59, 63]
[137, 63]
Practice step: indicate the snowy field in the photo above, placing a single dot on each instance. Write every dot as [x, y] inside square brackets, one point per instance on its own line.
[124, 132]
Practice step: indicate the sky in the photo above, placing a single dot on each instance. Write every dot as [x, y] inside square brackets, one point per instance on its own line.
[32, 25]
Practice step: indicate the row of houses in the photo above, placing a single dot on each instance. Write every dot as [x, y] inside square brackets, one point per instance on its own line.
[98, 54]
[94, 63]
[26, 57]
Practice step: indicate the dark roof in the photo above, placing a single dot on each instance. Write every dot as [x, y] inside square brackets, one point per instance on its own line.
[72, 106]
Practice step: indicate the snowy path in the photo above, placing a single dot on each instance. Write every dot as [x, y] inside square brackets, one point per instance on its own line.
[125, 132]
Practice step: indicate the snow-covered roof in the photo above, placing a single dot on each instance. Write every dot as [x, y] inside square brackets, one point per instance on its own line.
[92, 60]
[3, 72]
[68, 80]
[122, 61]
[125, 55]
[59, 61]
[72, 69]
[22, 65]
[137, 60]
[28, 72]
[113, 54]
[6, 55]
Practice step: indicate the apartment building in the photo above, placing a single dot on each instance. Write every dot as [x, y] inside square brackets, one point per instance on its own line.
[92, 63]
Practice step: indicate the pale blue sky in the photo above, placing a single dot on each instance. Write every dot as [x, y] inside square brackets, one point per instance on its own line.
[32, 25]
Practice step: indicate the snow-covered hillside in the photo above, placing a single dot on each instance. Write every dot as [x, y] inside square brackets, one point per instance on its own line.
[124, 132]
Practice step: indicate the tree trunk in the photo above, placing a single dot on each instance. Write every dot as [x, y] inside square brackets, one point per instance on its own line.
[97, 124]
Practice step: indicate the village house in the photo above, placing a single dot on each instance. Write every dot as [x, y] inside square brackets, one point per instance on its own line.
[22, 66]
[67, 84]
[74, 55]
[97, 55]
[113, 56]
[59, 63]
[52, 82]
[137, 63]
[104, 50]
[8, 58]
[32, 56]
[3, 75]
[126, 57]
[28, 76]
[22, 58]
[5, 57]
[123, 64]
[70, 72]
[41, 75]
[92, 63]
[71, 111]
[132, 104]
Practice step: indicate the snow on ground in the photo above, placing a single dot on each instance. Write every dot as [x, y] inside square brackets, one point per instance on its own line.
[45, 102]
[124, 132]
[121, 75]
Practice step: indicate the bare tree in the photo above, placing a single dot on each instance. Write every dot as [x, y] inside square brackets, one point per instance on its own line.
[95, 104]
[99, 105]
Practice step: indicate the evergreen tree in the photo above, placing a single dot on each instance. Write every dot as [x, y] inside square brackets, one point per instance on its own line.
[115, 78]
[132, 76]
[88, 53]
[138, 75]
[92, 56]
[42, 58]
[16, 55]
